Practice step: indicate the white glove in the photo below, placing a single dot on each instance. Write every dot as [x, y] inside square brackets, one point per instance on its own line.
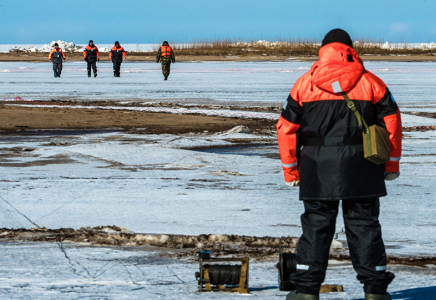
[391, 176]
[293, 183]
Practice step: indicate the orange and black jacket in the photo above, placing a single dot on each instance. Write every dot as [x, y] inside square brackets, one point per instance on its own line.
[320, 141]
[117, 55]
[56, 55]
[91, 53]
[165, 52]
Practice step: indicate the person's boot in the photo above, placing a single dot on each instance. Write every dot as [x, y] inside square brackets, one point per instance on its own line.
[387, 296]
[89, 74]
[301, 296]
[95, 74]
[166, 78]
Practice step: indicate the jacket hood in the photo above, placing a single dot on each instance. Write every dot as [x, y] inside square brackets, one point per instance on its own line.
[337, 62]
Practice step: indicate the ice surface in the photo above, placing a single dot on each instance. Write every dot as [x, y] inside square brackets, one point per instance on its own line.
[151, 184]
[41, 271]
[224, 83]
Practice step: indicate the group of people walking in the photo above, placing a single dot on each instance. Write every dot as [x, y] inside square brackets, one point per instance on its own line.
[117, 55]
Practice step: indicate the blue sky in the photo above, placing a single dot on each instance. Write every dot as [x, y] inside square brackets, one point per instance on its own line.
[129, 21]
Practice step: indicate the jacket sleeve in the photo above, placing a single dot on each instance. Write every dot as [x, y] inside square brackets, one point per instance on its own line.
[110, 55]
[85, 53]
[98, 54]
[388, 116]
[63, 54]
[287, 129]
[50, 54]
[124, 55]
[158, 55]
[173, 56]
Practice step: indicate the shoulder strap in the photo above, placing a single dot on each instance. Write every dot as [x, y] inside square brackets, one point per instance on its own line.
[353, 108]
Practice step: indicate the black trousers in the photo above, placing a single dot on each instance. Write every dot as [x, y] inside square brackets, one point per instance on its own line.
[93, 65]
[117, 67]
[363, 231]
[57, 69]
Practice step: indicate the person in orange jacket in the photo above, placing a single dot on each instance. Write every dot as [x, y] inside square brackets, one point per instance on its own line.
[57, 56]
[117, 55]
[166, 56]
[91, 56]
[320, 144]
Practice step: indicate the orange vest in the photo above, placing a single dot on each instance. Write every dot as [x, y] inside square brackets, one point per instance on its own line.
[166, 51]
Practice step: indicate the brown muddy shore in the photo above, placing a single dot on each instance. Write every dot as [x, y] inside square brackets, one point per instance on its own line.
[19, 118]
[186, 246]
[150, 57]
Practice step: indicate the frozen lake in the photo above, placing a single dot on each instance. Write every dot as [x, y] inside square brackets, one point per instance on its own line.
[230, 83]
[159, 184]
[155, 184]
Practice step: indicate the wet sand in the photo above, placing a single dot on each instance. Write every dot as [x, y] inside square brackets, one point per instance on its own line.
[18, 118]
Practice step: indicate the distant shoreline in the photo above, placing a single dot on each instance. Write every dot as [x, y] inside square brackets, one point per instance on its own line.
[150, 57]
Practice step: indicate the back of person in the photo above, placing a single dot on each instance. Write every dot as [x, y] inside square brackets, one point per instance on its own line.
[166, 51]
[332, 165]
[166, 56]
[321, 149]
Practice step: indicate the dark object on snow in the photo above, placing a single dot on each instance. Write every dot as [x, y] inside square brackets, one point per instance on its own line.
[204, 254]
[222, 275]
[287, 265]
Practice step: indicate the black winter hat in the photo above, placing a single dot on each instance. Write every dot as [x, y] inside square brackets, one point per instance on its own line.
[90, 41]
[337, 36]
[165, 43]
[117, 43]
[56, 44]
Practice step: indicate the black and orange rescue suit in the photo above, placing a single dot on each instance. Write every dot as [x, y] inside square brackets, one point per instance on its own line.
[117, 55]
[320, 145]
[57, 56]
[91, 56]
[165, 55]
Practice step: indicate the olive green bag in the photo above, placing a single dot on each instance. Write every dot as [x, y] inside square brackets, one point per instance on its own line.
[376, 143]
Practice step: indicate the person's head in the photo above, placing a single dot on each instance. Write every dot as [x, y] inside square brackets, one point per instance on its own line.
[165, 43]
[91, 43]
[117, 44]
[56, 45]
[337, 36]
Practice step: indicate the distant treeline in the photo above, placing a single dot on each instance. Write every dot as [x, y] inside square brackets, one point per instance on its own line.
[306, 47]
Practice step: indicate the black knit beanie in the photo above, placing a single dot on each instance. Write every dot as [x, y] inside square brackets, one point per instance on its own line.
[337, 36]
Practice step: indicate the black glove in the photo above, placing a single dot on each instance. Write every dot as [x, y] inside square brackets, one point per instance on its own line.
[98, 59]
[85, 59]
